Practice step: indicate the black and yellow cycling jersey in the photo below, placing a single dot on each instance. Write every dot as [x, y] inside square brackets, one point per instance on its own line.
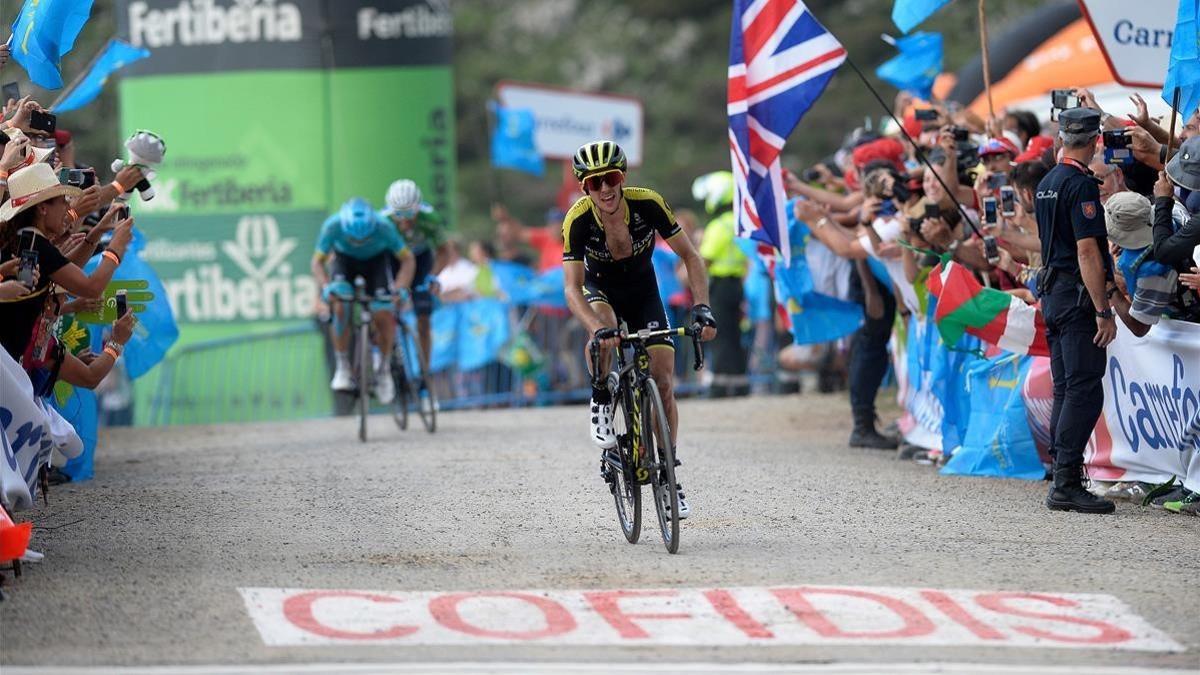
[646, 213]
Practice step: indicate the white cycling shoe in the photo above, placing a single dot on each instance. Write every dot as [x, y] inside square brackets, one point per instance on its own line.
[684, 509]
[602, 425]
[385, 389]
[342, 381]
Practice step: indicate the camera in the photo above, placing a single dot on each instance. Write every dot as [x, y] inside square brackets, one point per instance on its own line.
[926, 114]
[10, 92]
[933, 211]
[1008, 201]
[43, 121]
[811, 175]
[961, 135]
[900, 192]
[80, 178]
[1061, 99]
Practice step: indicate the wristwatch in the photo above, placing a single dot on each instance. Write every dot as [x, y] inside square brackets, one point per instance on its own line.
[1106, 314]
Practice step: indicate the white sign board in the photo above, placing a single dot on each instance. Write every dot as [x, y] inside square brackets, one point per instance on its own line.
[567, 119]
[1134, 36]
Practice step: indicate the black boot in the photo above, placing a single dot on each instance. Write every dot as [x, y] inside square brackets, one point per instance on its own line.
[865, 435]
[1068, 494]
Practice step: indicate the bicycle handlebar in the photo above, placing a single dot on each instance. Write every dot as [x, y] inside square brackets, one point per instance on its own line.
[647, 334]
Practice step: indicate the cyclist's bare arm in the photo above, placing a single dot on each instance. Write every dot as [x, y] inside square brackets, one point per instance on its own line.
[573, 288]
[408, 267]
[318, 269]
[696, 270]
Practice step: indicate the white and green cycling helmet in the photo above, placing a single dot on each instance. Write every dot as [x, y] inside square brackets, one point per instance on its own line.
[404, 198]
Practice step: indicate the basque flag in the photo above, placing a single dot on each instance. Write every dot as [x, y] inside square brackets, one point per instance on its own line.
[780, 59]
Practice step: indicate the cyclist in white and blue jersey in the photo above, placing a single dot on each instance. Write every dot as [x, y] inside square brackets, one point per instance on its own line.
[364, 244]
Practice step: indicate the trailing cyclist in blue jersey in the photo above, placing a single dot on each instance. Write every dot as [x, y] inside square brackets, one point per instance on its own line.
[608, 240]
[362, 245]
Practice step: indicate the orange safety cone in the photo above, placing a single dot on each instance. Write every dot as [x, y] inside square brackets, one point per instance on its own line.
[14, 538]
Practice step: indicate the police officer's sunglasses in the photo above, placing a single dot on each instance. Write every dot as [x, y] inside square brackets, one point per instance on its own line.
[611, 178]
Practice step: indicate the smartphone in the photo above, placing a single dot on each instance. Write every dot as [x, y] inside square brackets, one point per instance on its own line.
[1116, 148]
[10, 91]
[811, 175]
[887, 208]
[995, 180]
[991, 250]
[1008, 201]
[933, 211]
[122, 303]
[989, 211]
[926, 114]
[1060, 99]
[122, 212]
[43, 121]
[29, 261]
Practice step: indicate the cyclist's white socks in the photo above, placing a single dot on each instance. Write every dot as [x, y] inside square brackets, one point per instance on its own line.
[342, 360]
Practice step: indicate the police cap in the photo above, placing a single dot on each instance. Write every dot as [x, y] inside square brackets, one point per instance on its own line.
[1079, 121]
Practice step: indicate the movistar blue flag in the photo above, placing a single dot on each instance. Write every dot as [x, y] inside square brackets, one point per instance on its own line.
[1183, 69]
[115, 56]
[916, 66]
[512, 141]
[908, 14]
[81, 409]
[816, 317]
[550, 289]
[664, 261]
[44, 31]
[155, 331]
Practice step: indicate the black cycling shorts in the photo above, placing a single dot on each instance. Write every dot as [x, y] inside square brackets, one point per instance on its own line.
[422, 299]
[635, 306]
[374, 271]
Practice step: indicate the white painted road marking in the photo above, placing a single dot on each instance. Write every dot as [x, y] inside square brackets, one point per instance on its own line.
[517, 668]
[798, 615]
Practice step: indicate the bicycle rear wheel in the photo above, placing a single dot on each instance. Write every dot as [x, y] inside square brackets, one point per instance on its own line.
[427, 404]
[364, 379]
[656, 433]
[627, 492]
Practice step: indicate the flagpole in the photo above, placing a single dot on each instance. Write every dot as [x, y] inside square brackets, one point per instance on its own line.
[493, 176]
[987, 70]
[920, 154]
[1171, 134]
[82, 74]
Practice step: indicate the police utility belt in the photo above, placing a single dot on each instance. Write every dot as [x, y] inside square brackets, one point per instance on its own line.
[1050, 276]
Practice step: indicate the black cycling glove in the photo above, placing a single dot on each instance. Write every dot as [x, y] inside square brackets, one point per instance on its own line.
[702, 316]
[606, 333]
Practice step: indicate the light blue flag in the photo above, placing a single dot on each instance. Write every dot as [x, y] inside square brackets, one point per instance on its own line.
[917, 65]
[512, 141]
[155, 331]
[1183, 69]
[482, 330]
[115, 56]
[816, 317]
[517, 281]
[997, 441]
[550, 289]
[44, 31]
[664, 260]
[82, 410]
[908, 14]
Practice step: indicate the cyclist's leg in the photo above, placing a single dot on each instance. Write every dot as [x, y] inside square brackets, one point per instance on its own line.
[599, 303]
[601, 406]
[423, 306]
[379, 282]
[343, 270]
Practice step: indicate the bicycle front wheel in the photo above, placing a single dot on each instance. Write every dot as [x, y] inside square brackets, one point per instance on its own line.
[427, 404]
[656, 433]
[402, 383]
[364, 379]
[627, 491]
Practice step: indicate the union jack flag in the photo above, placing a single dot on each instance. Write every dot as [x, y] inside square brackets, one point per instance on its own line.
[780, 59]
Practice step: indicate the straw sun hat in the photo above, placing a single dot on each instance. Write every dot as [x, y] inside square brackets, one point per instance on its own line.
[33, 185]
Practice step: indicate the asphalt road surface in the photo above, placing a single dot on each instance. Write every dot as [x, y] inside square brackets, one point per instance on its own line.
[494, 541]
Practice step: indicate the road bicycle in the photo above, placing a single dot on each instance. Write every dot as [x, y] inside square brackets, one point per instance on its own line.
[643, 454]
[362, 358]
[412, 382]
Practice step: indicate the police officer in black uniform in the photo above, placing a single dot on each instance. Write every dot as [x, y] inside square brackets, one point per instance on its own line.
[1075, 287]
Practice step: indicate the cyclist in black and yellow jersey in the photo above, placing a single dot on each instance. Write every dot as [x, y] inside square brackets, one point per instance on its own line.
[608, 241]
